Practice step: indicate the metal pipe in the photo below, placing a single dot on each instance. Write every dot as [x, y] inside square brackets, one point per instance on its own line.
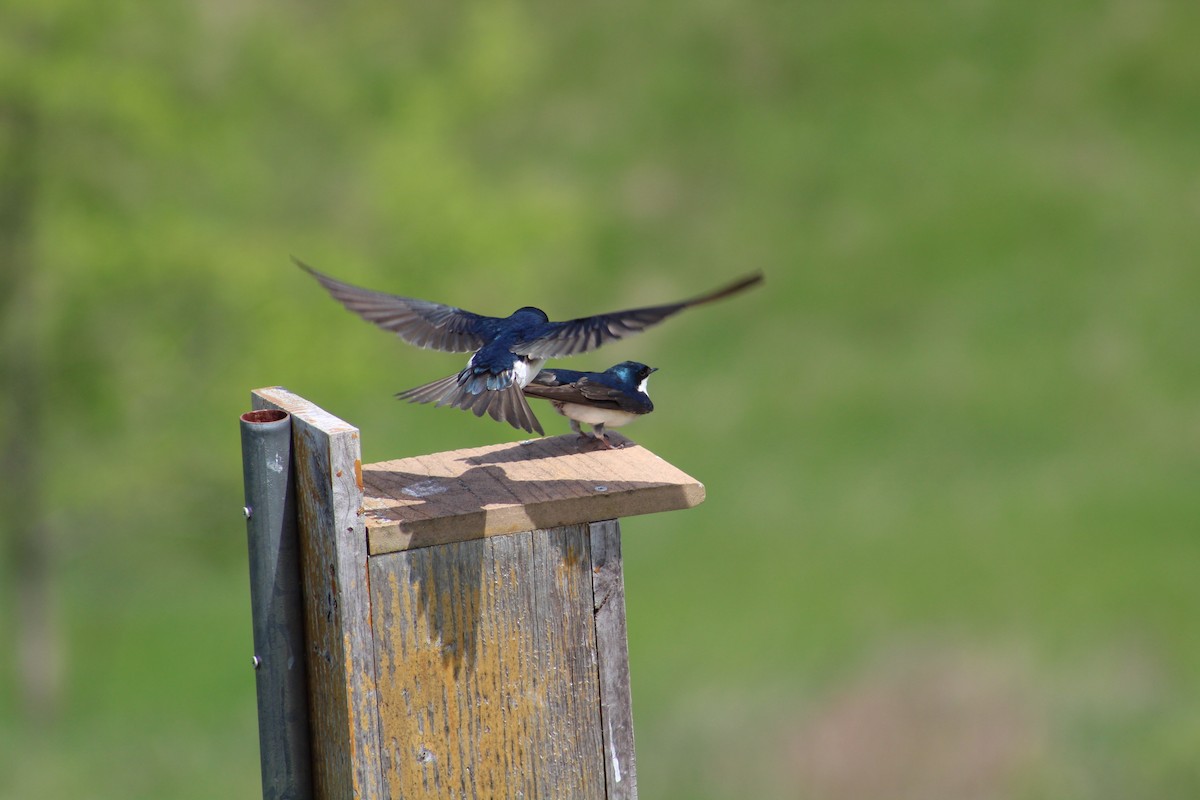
[275, 599]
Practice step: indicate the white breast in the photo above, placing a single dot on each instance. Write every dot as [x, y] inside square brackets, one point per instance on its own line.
[608, 417]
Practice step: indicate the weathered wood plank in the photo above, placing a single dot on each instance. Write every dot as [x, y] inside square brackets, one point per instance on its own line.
[341, 668]
[566, 674]
[486, 669]
[505, 488]
[612, 648]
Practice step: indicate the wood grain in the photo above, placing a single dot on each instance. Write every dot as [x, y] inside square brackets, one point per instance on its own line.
[612, 650]
[333, 541]
[506, 488]
[487, 672]
[465, 613]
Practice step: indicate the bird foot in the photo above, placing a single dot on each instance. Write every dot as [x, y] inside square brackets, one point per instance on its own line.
[598, 442]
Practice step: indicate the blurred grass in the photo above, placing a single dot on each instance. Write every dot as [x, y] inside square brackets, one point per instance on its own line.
[950, 450]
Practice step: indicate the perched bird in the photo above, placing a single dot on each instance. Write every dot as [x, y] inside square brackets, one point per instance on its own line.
[508, 351]
[611, 398]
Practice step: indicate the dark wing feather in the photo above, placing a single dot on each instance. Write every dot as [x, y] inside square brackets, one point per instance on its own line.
[587, 333]
[505, 405]
[440, 391]
[586, 392]
[419, 322]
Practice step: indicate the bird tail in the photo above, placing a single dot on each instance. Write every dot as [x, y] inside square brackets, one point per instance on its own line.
[503, 405]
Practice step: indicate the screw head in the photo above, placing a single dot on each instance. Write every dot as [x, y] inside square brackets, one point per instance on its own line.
[247, 511]
[256, 661]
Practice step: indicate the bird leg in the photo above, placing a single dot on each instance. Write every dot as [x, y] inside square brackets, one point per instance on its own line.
[596, 438]
[600, 437]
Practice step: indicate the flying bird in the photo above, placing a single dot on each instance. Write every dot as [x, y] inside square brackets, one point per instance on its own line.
[507, 352]
[611, 398]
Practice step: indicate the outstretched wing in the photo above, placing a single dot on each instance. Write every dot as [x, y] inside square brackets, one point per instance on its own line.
[418, 322]
[588, 333]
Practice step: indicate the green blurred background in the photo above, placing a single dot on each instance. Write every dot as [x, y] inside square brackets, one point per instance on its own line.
[951, 450]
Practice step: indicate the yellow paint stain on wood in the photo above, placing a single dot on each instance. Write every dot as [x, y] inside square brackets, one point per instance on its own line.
[487, 684]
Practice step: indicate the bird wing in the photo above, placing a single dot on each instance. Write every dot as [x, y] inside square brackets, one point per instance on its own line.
[419, 322]
[587, 333]
[585, 392]
[504, 405]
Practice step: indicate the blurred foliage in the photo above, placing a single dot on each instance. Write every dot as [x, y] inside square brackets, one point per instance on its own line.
[951, 449]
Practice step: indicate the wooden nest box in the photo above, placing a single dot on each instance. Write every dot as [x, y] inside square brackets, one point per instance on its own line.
[463, 617]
